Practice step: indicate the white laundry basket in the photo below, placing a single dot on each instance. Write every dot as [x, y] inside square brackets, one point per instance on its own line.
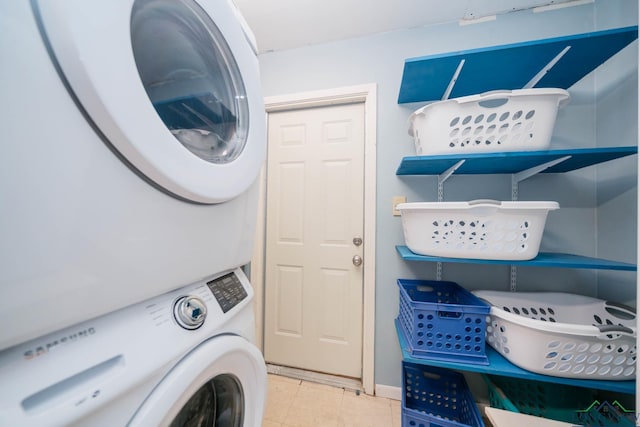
[480, 229]
[563, 335]
[506, 120]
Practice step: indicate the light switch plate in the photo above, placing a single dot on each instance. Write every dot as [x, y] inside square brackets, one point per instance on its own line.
[396, 201]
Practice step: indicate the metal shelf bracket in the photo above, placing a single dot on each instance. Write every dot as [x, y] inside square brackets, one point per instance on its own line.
[453, 80]
[528, 173]
[446, 174]
[534, 81]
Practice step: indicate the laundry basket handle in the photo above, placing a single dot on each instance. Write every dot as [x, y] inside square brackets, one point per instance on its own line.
[492, 202]
[615, 329]
[500, 95]
[497, 98]
[484, 207]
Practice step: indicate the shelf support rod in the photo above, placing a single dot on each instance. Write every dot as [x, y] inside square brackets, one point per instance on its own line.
[513, 277]
[516, 178]
[513, 270]
[441, 179]
[453, 80]
[528, 173]
[534, 81]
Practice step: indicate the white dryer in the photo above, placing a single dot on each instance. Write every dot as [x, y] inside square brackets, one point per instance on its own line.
[184, 358]
[132, 133]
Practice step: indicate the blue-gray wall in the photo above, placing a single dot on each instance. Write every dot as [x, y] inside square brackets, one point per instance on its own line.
[598, 204]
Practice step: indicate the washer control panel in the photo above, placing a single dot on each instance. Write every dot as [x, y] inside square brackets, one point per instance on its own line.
[190, 310]
[228, 291]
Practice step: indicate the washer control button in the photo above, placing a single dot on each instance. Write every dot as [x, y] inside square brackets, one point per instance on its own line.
[190, 312]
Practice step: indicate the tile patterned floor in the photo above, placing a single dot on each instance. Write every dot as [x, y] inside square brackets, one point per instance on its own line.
[296, 403]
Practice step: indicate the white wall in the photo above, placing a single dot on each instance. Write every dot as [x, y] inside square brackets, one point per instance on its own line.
[380, 59]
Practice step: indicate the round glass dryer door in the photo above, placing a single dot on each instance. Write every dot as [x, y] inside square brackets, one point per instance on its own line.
[173, 86]
[191, 77]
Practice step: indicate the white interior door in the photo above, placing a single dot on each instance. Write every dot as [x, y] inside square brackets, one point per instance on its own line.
[313, 289]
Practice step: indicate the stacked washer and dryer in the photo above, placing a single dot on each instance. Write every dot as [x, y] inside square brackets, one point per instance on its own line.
[132, 137]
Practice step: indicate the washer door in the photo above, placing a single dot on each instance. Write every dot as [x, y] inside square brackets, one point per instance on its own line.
[173, 86]
[221, 383]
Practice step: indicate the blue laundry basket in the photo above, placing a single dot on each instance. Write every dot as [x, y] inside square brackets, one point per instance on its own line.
[437, 397]
[443, 321]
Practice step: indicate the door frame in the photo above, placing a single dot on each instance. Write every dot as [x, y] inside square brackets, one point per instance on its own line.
[366, 94]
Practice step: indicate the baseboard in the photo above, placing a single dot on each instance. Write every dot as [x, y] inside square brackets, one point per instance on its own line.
[389, 392]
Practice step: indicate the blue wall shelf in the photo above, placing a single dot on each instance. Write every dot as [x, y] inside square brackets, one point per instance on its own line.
[511, 162]
[498, 365]
[544, 259]
[511, 66]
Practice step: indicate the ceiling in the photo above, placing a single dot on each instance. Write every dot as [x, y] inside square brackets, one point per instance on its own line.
[288, 24]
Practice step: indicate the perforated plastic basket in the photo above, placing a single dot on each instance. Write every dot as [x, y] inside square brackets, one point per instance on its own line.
[436, 397]
[563, 335]
[480, 229]
[548, 400]
[517, 120]
[442, 321]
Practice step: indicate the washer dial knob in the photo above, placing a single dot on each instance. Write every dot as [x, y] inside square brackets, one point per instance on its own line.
[190, 312]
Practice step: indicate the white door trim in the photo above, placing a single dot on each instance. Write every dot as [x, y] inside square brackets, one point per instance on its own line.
[345, 95]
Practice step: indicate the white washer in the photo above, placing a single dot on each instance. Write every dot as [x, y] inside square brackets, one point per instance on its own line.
[182, 356]
[133, 133]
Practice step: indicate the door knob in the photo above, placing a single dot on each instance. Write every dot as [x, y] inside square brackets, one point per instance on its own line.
[357, 260]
